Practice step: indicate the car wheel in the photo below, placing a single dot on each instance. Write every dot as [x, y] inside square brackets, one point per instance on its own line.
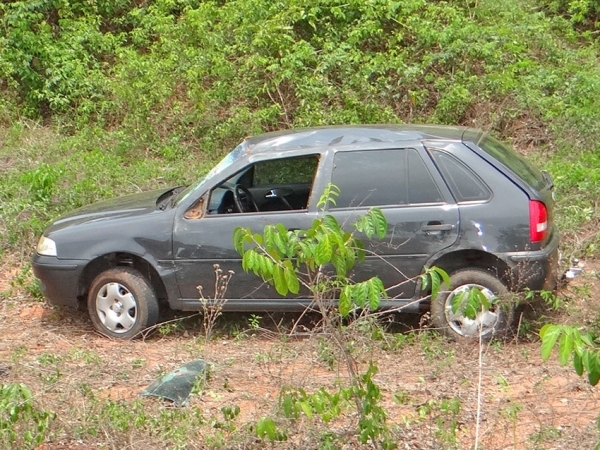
[122, 303]
[496, 321]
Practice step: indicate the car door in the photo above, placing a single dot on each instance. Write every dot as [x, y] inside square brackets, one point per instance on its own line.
[422, 216]
[282, 188]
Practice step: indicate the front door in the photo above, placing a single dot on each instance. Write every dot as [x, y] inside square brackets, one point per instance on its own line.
[280, 189]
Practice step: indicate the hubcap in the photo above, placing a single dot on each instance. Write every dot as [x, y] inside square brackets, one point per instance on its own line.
[116, 307]
[485, 320]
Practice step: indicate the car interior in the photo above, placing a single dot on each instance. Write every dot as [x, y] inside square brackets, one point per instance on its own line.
[266, 186]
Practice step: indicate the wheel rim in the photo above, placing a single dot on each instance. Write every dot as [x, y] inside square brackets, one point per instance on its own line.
[116, 307]
[484, 322]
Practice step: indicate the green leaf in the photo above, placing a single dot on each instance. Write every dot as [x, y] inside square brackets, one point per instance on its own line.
[269, 238]
[281, 239]
[247, 260]
[238, 239]
[435, 283]
[323, 250]
[291, 278]
[376, 291]
[331, 224]
[345, 302]
[565, 348]
[578, 364]
[549, 334]
[306, 409]
[279, 281]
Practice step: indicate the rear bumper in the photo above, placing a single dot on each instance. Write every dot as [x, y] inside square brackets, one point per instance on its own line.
[535, 270]
[59, 279]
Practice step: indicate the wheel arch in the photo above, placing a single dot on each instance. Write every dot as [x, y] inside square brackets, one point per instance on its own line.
[122, 259]
[474, 259]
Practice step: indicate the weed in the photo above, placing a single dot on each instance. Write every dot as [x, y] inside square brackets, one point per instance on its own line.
[88, 356]
[546, 433]
[401, 397]
[325, 353]
[446, 413]
[511, 412]
[23, 424]
[169, 328]
[18, 353]
[254, 321]
[212, 307]
[267, 429]
[25, 280]
[138, 363]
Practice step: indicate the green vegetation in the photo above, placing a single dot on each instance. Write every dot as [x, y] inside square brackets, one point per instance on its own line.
[104, 98]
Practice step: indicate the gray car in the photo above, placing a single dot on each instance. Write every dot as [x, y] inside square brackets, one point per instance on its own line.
[454, 198]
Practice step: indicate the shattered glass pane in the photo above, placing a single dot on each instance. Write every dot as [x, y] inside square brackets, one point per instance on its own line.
[178, 384]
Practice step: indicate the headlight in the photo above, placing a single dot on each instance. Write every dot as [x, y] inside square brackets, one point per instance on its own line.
[46, 247]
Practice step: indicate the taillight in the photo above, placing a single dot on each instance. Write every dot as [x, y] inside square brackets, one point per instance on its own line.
[538, 221]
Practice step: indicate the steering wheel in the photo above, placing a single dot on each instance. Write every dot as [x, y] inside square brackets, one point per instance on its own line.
[244, 201]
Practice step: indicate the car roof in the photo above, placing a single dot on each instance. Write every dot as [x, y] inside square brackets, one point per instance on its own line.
[351, 136]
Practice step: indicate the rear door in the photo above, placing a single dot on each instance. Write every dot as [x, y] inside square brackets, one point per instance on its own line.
[423, 218]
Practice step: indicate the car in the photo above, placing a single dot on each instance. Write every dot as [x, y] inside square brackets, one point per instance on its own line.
[454, 198]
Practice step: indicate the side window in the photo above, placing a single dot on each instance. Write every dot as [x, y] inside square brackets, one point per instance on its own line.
[464, 184]
[266, 186]
[421, 187]
[285, 171]
[382, 177]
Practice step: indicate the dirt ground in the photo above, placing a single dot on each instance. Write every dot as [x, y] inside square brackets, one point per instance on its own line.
[526, 403]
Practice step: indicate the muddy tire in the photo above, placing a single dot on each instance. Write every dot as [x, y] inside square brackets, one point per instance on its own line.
[495, 322]
[122, 303]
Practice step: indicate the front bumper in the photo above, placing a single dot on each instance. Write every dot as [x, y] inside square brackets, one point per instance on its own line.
[59, 279]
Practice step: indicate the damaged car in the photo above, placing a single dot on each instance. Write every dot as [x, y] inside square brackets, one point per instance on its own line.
[455, 198]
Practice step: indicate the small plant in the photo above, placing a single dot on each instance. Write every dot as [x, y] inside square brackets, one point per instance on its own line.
[25, 280]
[212, 307]
[267, 429]
[88, 356]
[511, 412]
[22, 424]
[169, 328]
[581, 348]
[254, 321]
[325, 352]
[138, 363]
[549, 298]
[42, 182]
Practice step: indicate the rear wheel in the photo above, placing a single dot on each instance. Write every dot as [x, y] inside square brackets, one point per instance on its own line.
[495, 321]
[122, 303]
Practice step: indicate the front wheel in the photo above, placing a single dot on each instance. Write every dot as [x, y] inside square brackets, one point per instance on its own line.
[122, 303]
[489, 322]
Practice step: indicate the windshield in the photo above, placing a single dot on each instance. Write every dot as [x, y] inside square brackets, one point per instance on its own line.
[233, 156]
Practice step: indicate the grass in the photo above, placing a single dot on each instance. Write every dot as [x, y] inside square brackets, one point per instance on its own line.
[88, 389]
[530, 77]
[46, 174]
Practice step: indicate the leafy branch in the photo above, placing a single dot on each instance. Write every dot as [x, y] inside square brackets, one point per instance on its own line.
[582, 348]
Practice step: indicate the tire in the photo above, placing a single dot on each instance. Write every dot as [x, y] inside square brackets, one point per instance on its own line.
[122, 303]
[495, 322]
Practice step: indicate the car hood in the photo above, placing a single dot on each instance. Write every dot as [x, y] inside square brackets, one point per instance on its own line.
[120, 207]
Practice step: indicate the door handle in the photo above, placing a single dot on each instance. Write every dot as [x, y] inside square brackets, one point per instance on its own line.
[436, 227]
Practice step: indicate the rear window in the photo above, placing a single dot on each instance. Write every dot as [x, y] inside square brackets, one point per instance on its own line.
[515, 162]
[464, 184]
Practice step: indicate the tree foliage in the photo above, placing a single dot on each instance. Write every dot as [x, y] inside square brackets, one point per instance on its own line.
[183, 72]
[581, 348]
[289, 259]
